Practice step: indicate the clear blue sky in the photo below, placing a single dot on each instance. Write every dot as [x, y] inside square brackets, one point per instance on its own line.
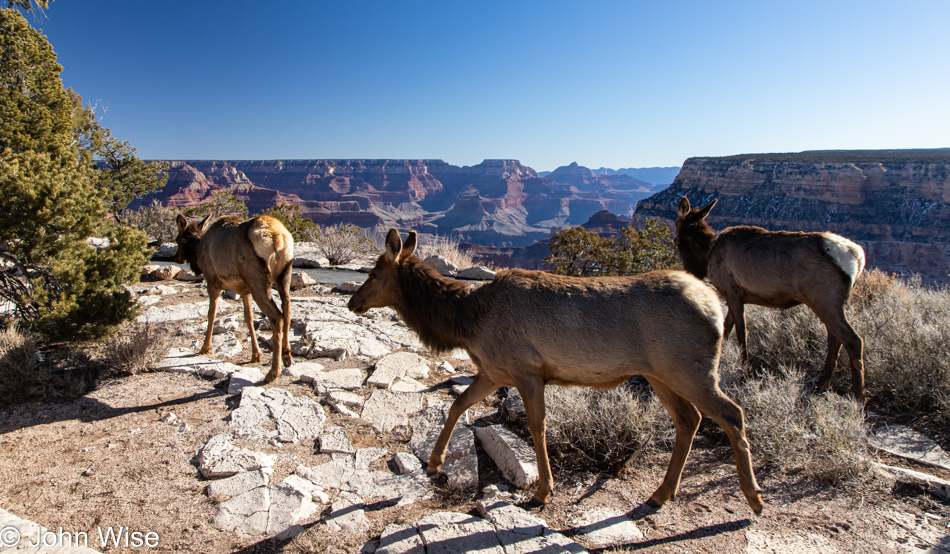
[615, 84]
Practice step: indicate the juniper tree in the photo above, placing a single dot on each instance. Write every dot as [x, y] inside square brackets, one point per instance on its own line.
[54, 196]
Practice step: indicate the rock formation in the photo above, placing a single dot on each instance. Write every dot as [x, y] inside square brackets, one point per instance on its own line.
[895, 204]
[495, 202]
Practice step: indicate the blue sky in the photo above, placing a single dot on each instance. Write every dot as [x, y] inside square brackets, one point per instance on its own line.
[615, 84]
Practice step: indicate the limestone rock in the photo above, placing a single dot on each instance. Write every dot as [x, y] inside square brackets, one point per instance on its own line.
[513, 456]
[400, 539]
[605, 527]
[299, 280]
[905, 442]
[307, 372]
[220, 458]
[442, 265]
[334, 439]
[478, 273]
[407, 463]
[166, 251]
[350, 378]
[450, 532]
[394, 367]
[239, 483]
[347, 515]
[386, 409]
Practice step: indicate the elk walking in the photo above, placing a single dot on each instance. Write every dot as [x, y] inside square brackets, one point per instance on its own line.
[528, 328]
[248, 257]
[777, 269]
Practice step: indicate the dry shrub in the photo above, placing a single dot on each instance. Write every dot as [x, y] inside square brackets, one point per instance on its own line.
[603, 429]
[450, 250]
[26, 374]
[823, 436]
[906, 331]
[136, 349]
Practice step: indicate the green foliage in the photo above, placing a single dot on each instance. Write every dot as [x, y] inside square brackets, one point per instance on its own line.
[222, 202]
[583, 253]
[155, 220]
[300, 227]
[342, 243]
[53, 197]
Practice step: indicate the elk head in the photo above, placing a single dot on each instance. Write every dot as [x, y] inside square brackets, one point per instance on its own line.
[382, 288]
[694, 236]
[189, 234]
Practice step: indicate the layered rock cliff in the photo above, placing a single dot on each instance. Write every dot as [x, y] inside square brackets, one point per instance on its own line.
[896, 204]
[497, 202]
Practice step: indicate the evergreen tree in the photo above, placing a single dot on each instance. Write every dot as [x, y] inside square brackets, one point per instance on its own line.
[583, 253]
[53, 196]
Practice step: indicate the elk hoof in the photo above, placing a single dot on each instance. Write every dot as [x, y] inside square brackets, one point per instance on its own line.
[255, 358]
[271, 376]
[653, 503]
[433, 469]
[205, 350]
[288, 361]
[756, 504]
[536, 502]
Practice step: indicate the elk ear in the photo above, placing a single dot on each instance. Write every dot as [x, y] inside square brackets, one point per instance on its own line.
[683, 207]
[393, 245]
[409, 246]
[705, 210]
[182, 222]
[204, 224]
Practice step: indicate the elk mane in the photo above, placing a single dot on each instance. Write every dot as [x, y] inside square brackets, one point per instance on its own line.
[440, 310]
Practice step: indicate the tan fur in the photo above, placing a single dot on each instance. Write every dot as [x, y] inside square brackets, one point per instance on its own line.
[778, 269]
[248, 257]
[527, 329]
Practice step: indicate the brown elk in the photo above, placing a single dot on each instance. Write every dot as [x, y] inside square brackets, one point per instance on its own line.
[248, 257]
[529, 328]
[777, 269]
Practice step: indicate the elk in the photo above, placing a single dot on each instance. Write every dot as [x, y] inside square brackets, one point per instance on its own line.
[527, 329]
[777, 269]
[248, 257]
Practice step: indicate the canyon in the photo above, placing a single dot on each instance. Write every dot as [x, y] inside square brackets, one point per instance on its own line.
[494, 203]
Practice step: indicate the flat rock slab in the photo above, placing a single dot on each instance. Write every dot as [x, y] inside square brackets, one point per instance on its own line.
[604, 527]
[394, 367]
[180, 312]
[520, 532]
[513, 456]
[334, 474]
[400, 539]
[907, 443]
[304, 371]
[244, 377]
[450, 533]
[407, 463]
[220, 458]
[347, 514]
[239, 483]
[246, 513]
[386, 409]
[334, 439]
[184, 360]
[295, 417]
[350, 378]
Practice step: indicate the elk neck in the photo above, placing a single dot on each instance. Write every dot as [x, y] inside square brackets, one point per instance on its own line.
[440, 310]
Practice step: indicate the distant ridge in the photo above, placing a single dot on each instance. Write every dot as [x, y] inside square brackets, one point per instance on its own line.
[658, 177]
[916, 155]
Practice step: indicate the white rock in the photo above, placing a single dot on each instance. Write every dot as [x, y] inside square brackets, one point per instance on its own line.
[304, 371]
[605, 527]
[449, 532]
[244, 377]
[246, 513]
[408, 384]
[400, 539]
[386, 409]
[220, 458]
[299, 280]
[477, 273]
[905, 442]
[348, 287]
[347, 515]
[442, 265]
[331, 475]
[166, 251]
[288, 506]
[350, 378]
[366, 456]
[513, 456]
[334, 439]
[239, 483]
[425, 431]
[394, 367]
[407, 462]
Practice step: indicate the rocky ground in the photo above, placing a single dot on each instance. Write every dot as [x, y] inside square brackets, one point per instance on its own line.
[329, 459]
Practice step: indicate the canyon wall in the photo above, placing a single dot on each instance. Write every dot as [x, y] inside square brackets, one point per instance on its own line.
[895, 204]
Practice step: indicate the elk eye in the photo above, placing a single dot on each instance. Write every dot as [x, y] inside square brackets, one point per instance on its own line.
[372, 276]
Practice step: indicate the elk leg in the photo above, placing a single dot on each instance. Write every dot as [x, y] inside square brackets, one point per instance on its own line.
[728, 324]
[532, 392]
[737, 313]
[261, 293]
[284, 282]
[480, 388]
[213, 293]
[686, 419]
[713, 402]
[837, 323]
[249, 320]
[834, 347]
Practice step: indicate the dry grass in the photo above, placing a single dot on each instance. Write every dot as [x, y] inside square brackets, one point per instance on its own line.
[603, 429]
[450, 250]
[26, 374]
[906, 331]
[136, 349]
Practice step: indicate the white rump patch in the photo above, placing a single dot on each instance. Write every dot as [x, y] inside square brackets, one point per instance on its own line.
[848, 255]
[704, 298]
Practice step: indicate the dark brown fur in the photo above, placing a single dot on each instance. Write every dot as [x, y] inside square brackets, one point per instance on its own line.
[249, 257]
[777, 269]
[528, 328]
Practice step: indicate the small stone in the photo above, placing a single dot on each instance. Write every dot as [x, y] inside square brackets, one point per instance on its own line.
[407, 463]
[477, 273]
[347, 514]
[348, 287]
[511, 454]
[308, 372]
[169, 418]
[299, 280]
[366, 456]
[442, 265]
[386, 409]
